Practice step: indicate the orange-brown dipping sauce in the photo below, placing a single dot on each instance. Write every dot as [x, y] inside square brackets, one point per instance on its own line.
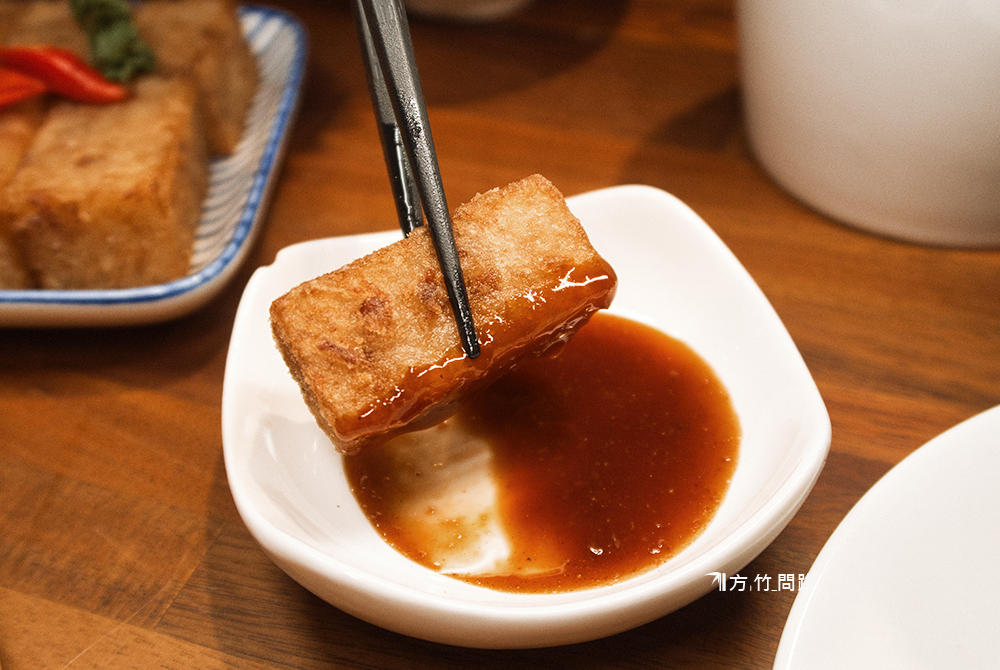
[607, 459]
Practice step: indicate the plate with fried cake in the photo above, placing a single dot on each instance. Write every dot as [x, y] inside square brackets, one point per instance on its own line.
[238, 187]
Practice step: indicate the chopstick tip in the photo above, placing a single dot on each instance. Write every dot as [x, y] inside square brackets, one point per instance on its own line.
[470, 340]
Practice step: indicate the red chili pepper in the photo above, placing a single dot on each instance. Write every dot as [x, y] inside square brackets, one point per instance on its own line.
[65, 73]
[16, 86]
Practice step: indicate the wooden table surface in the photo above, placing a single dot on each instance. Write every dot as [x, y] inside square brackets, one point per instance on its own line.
[120, 545]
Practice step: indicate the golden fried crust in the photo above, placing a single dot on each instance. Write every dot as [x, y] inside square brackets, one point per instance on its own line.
[374, 346]
[13, 274]
[109, 196]
[18, 125]
[43, 22]
[203, 39]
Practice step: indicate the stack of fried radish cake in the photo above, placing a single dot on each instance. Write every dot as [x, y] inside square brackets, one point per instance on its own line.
[109, 195]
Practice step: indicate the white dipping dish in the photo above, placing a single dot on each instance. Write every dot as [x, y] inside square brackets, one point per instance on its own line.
[232, 213]
[675, 274]
[907, 580]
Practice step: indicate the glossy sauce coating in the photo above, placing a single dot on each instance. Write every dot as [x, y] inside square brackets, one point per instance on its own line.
[607, 459]
[427, 396]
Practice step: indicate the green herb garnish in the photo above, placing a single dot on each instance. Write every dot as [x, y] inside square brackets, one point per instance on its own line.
[115, 46]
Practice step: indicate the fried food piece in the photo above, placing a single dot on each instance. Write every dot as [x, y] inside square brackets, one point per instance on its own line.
[199, 39]
[44, 22]
[108, 196]
[203, 39]
[374, 345]
[18, 125]
[9, 13]
[13, 274]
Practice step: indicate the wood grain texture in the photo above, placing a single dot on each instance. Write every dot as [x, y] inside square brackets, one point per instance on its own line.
[120, 545]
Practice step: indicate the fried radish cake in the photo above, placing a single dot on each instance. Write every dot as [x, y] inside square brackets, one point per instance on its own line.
[374, 346]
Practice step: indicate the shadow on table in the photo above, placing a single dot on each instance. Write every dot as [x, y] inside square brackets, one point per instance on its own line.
[462, 62]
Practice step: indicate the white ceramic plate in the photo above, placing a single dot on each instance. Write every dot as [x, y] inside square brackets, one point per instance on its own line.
[239, 186]
[674, 273]
[908, 578]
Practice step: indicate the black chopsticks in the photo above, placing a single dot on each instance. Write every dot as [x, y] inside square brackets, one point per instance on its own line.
[408, 146]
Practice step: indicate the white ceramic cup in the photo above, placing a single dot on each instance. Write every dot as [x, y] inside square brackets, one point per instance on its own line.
[884, 114]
